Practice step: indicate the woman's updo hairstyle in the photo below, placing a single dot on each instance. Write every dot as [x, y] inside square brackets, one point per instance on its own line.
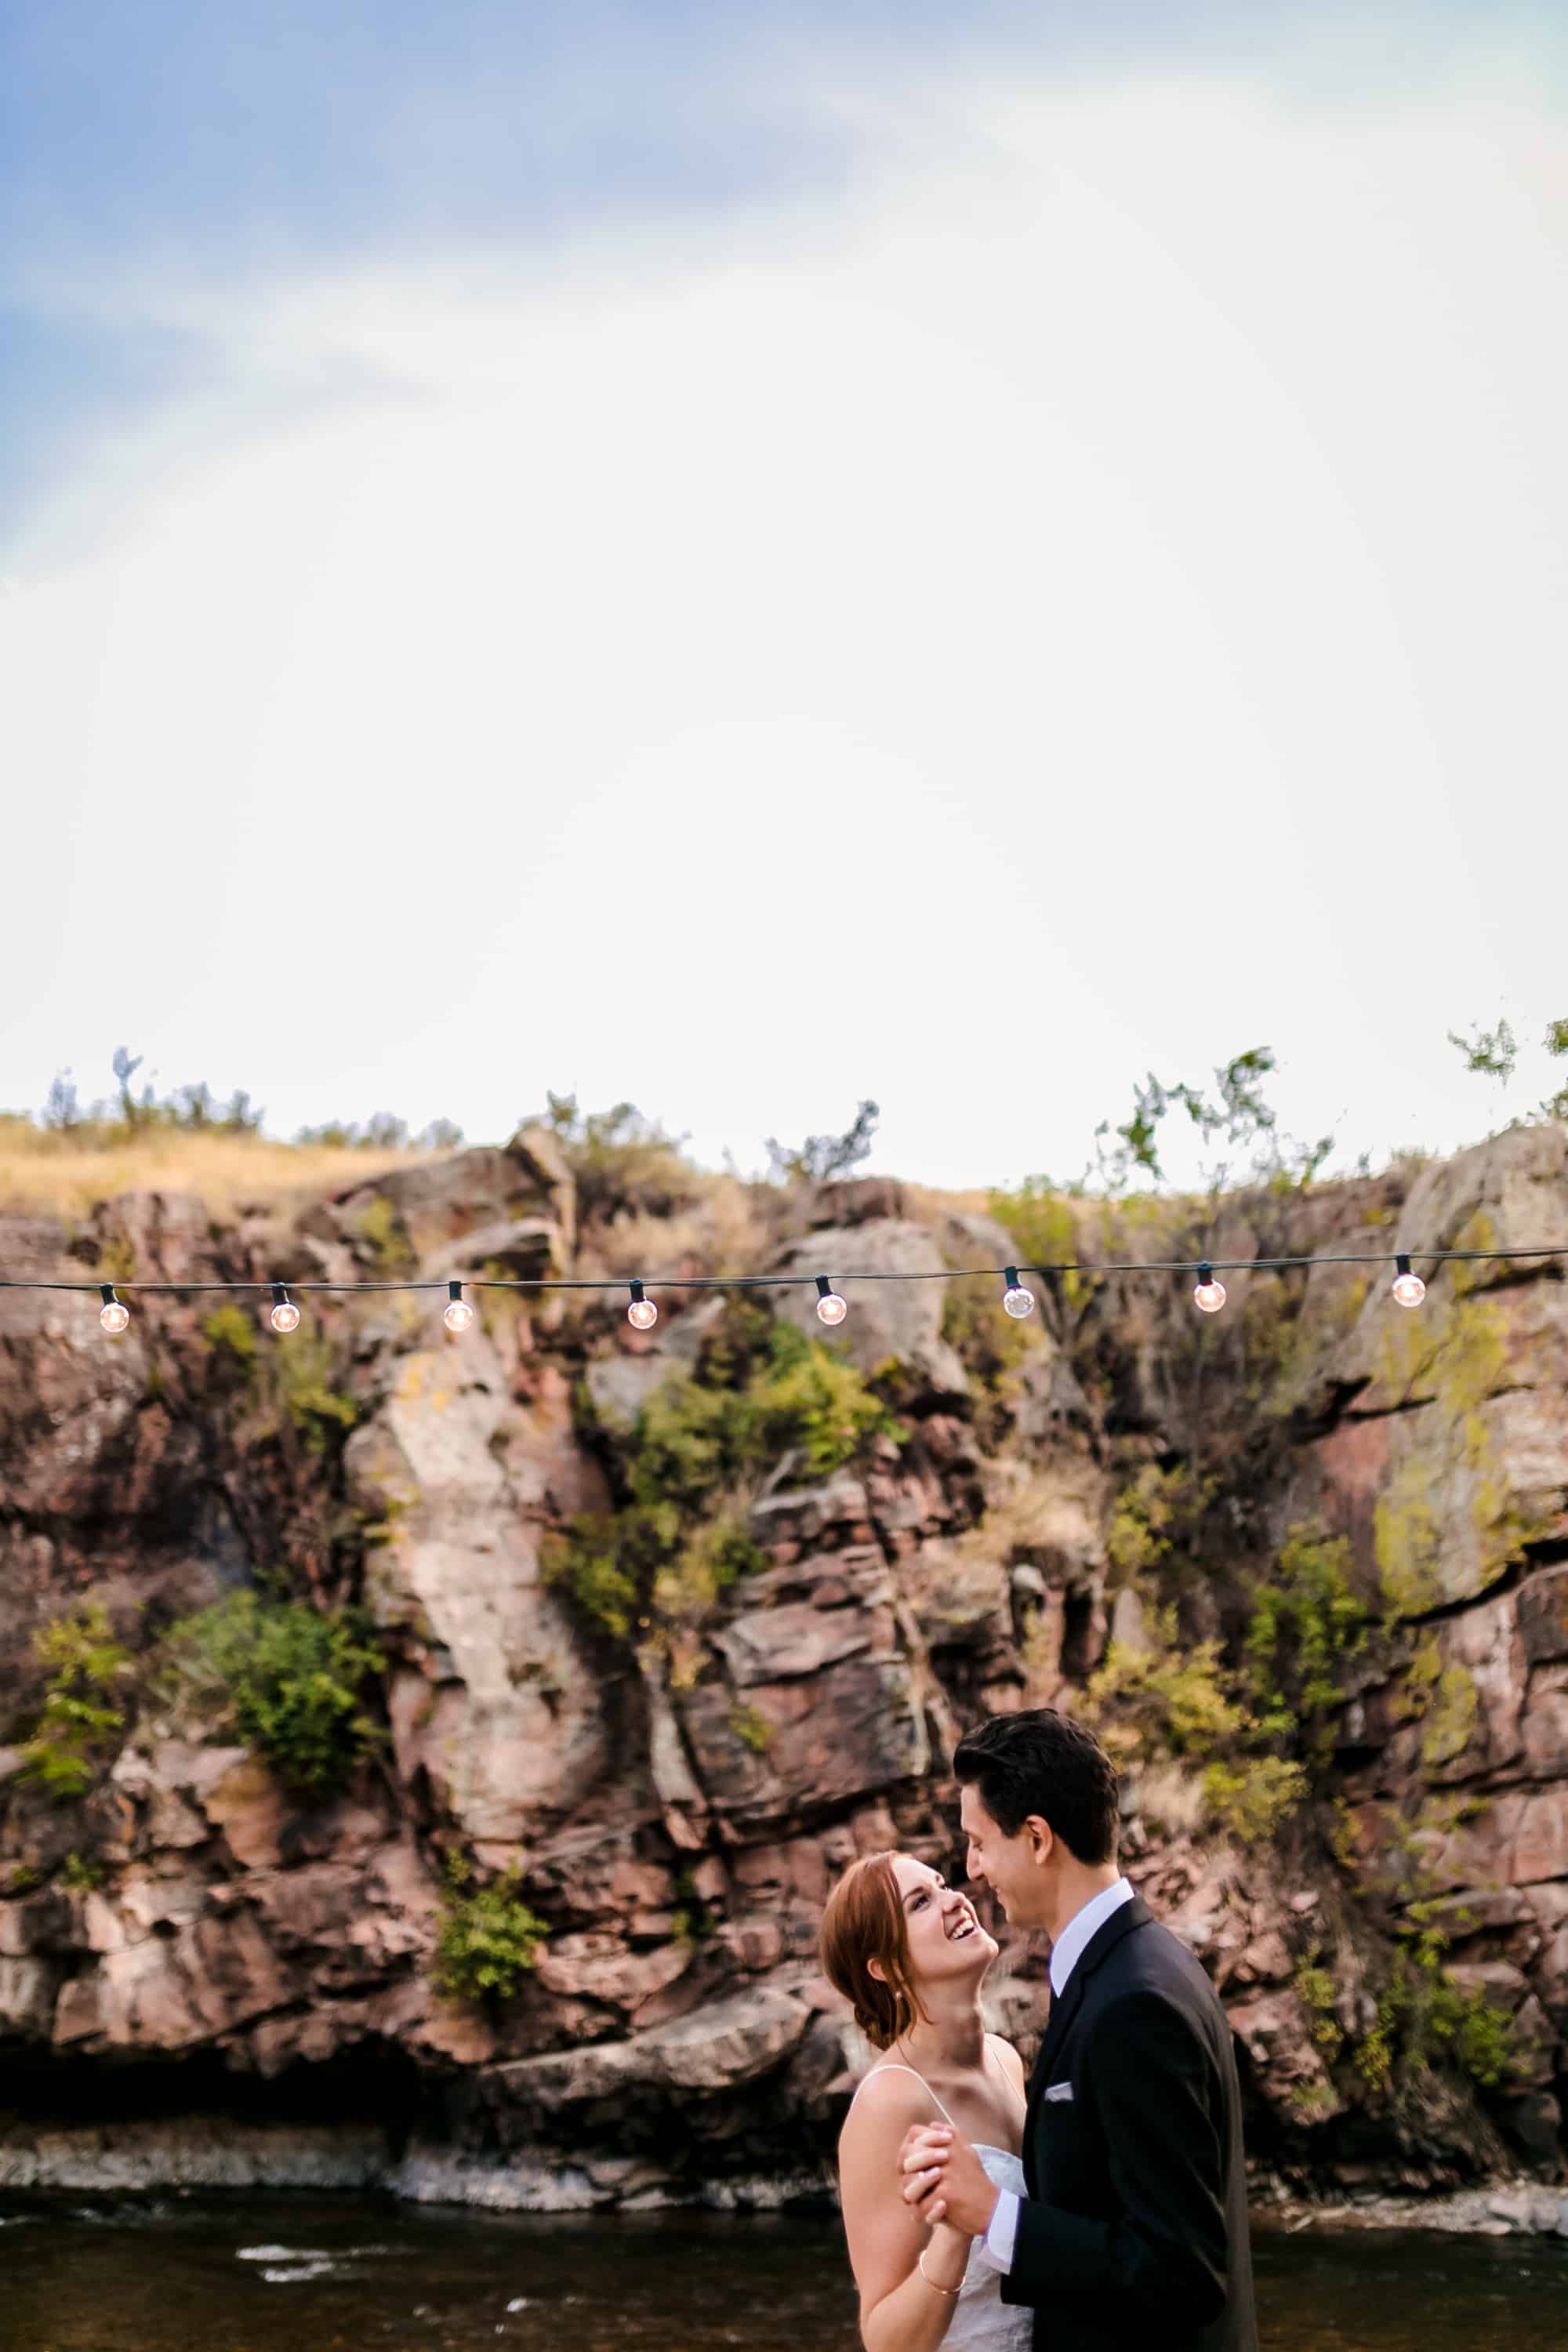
[863, 1922]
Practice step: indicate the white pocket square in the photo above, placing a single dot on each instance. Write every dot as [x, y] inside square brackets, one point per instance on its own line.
[1058, 2090]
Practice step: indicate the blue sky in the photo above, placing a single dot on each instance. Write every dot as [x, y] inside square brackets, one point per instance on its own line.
[742, 556]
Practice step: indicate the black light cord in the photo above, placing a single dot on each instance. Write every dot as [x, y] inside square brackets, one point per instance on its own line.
[802, 1281]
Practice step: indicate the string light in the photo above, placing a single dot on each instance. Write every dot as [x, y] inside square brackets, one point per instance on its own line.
[1016, 1300]
[1408, 1288]
[830, 1307]
[1209, 1295]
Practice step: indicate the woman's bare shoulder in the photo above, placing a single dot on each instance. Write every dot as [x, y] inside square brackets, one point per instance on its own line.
[889, 2101]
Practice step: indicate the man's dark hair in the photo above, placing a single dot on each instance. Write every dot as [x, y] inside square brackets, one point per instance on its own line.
[1042, 1762]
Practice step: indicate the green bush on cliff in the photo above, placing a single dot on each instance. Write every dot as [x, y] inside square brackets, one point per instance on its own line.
[813, 1400]
[291, 1680]
[1160, 1702]
[77, 1723]
[1251, 1796]
[699, 1445]
[1306, 1624]
[586, 1561]
[488, 1937]
[1156, 1520]
[1425, 2017]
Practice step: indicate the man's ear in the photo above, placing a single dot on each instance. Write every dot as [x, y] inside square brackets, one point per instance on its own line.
[1042, 1839]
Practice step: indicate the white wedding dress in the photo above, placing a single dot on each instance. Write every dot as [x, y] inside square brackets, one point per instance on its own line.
[981, 2321]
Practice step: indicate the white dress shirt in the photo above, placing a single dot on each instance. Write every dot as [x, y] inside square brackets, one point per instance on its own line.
[1001, 2236]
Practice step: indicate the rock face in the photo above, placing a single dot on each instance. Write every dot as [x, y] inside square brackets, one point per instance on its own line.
[676, 1809]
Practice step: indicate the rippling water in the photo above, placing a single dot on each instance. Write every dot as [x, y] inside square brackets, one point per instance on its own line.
[301, 2275]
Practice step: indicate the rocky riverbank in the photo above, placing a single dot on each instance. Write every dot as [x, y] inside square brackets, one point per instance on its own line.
[670, 1625]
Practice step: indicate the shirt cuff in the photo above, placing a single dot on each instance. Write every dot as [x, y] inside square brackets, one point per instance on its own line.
[1001, 2236]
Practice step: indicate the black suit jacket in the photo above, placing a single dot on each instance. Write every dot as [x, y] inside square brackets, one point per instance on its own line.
[1134, 2229]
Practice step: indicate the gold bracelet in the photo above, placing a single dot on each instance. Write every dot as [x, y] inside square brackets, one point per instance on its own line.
[952, 2293]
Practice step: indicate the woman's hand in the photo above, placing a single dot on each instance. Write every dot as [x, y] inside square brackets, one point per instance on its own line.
[945, 2180]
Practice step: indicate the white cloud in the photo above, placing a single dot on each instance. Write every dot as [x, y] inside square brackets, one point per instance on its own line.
[1087, 599]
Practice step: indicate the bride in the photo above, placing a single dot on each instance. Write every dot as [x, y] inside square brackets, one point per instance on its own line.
[909, 1953]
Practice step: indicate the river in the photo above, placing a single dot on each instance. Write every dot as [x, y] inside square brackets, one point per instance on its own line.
[303, 2275]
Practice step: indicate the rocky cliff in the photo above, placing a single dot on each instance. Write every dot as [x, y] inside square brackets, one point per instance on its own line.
[670, 1625]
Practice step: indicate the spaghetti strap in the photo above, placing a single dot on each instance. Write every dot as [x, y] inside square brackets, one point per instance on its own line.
[892, 2067]
[1006, 2078]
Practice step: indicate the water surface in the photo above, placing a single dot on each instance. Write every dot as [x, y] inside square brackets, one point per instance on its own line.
[303, 2275]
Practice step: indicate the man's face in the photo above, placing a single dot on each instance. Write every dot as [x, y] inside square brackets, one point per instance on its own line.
[1014, 1868]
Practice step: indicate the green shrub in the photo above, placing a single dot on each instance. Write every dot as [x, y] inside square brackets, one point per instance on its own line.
[232, 1332]
[1162, 1702]
[77, 1723]
[291, 1680]
[488, 1937]
[382, 1239]
[752, 1729]
[621, 1160]
[1315, 1988]
[81, 1873]
[1306, 1624]
[695, 1451]
[299, 1372]
[813, 1400]
[585, 1561]
[1251, 1797]
[1444, 1700]
[1424, 2017]
[1154, 1513]
[691, 1440]
[709, 1562]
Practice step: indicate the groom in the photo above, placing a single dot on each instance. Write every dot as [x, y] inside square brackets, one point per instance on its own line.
[1133, 2231]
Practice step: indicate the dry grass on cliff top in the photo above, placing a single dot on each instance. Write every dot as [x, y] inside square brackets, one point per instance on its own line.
[48, 1171]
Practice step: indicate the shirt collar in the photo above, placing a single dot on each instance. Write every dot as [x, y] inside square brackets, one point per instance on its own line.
[1081, 1929]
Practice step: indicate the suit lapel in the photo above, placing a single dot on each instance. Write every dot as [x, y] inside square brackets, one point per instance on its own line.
[1065, 2008]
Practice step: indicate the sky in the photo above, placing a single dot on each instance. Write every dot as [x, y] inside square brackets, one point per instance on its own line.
[742, 558]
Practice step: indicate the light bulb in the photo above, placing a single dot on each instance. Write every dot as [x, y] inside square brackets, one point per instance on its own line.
[460, 1315]
[830, 1307]
[285, 1315]
[113, 1317]
[1209, 1295]
[1015, 1300]
[1408, 1288]
[642, 1313]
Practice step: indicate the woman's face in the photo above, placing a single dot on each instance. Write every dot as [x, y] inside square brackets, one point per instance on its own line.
[947, 1942]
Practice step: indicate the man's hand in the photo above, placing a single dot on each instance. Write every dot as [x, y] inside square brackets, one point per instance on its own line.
[945, 2180]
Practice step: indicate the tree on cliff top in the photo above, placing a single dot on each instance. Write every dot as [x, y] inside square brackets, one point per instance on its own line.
[1494, 1054]
[1236, 1114]
[821, 1157]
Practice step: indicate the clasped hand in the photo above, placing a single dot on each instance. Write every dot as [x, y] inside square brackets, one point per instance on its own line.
[945, 2180]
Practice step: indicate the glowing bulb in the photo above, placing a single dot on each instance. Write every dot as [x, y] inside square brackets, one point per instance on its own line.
[1408, 1288]
[1015, 1300]
[642, 1313]
[830, 1307]
[1209, 1295]
[460, 1315]
[111, 1314]
[285, 1315]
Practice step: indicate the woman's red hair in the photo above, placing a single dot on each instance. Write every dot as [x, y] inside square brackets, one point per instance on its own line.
[863, 1922]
